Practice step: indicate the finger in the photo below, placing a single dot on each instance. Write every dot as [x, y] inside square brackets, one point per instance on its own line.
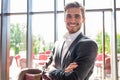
[68, 70]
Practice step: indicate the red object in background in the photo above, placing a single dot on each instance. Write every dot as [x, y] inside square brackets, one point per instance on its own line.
[99, 59]
[41, 63]
[99, 63]
[17, 58]
[48, 52]
[42, 57]
[107, 65]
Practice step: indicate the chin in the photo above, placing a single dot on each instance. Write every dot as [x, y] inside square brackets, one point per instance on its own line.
[72, 32]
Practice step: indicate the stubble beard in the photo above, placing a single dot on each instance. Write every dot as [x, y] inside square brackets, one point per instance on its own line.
[71, 31]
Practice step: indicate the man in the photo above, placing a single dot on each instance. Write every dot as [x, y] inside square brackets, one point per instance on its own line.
[74, 57]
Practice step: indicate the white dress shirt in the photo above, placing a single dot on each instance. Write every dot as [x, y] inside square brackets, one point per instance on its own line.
[68, 38]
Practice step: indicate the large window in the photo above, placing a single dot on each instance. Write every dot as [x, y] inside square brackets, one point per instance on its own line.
[29, 28]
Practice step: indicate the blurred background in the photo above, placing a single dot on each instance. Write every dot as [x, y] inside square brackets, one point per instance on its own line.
[29, 28]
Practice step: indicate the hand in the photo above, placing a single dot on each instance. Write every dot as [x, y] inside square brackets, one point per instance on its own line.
[45, 76]
[71, 67]
[51, 67]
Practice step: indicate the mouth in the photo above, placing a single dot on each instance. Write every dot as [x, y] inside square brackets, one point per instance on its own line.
[72, 24]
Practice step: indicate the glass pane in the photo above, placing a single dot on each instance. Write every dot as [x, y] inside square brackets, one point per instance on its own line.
[108, 26]
[97, 4]
[94, 26]
[43, 5]
[118, 23]
[117, 3]
[80, 1]
[60, 5]
[118, 42]
[18, 5]
[93, 21]
[108, 22]
[61, 28]
[17, 45]
[43, 37]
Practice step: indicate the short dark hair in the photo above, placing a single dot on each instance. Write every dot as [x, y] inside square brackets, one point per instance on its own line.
[75, 5]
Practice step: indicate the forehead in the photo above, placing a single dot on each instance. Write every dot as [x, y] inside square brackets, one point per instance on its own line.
[73, 11]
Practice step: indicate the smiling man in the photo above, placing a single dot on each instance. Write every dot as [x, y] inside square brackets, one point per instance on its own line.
[73, 57]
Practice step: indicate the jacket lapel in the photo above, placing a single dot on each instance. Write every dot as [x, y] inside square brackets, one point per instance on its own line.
[71, 48]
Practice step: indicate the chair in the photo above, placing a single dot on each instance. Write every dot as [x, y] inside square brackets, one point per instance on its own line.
[99, 64]
[107, 65]
[42, 59]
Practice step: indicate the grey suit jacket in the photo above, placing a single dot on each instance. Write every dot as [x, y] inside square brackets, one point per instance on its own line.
[83, 51]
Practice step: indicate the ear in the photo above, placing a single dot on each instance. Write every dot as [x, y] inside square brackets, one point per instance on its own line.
[64, 19]
[83, 20]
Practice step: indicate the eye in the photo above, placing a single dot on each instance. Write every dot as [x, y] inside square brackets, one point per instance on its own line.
[69, 16]
[77, 16]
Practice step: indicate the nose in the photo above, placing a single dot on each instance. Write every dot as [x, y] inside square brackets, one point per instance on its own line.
[72, 19]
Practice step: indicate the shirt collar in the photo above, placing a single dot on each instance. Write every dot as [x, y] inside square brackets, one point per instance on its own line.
[71, 37]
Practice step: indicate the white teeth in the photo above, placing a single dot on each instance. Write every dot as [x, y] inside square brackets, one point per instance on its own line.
[72, 25]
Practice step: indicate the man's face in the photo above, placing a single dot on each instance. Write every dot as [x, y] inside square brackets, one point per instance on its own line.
[73, 19]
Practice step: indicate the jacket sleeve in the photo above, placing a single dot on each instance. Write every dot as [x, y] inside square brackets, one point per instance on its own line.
[86, 52]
